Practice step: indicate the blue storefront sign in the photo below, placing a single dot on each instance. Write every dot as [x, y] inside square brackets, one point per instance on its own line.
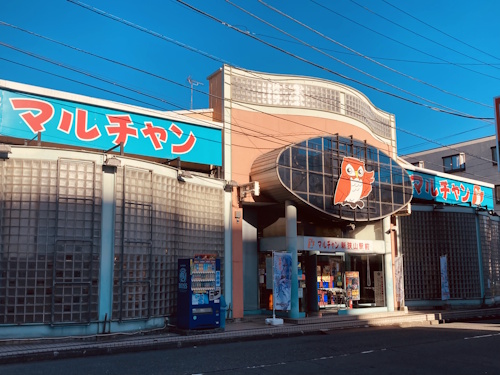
[447, 190]
[71, 123]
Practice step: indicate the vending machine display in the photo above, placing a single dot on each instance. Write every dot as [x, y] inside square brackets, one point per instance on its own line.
[199, 293]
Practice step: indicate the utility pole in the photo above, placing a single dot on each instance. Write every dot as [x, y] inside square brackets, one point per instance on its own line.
[192, 82]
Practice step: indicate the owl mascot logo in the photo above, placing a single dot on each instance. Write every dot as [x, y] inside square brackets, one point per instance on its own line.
[355, 183]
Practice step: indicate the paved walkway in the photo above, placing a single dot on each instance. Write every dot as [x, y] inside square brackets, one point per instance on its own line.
[248, 327]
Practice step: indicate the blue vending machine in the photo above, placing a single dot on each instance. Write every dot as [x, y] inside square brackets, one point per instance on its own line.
[199, 293]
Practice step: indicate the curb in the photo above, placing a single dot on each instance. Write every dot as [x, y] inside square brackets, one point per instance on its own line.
[90, 346]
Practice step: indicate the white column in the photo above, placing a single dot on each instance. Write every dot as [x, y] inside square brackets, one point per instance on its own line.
[291, 248]
[107, 247]
[389, 281]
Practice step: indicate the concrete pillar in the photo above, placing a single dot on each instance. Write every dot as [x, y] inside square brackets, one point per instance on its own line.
[388, 264]
[237, 258]
[228, 251]
[291, 248]
[107, 247]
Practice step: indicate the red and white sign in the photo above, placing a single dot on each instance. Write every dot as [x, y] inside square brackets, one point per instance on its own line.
[343, 245]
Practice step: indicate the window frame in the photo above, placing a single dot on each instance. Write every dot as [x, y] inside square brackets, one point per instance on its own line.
[497, 194]
[450, 168]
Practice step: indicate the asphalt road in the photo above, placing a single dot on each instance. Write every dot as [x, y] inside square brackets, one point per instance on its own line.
[454, 348]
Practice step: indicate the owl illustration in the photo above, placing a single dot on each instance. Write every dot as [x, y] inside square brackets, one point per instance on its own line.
[355, 183]
[477, 195]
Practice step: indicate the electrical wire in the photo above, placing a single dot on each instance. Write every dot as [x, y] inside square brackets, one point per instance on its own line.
[140, 28]
[371, 60]
[213, 57]
[442, 32]
[422, 36]
[244, 133]
[401, 43]
[379, 57]
[323, 67]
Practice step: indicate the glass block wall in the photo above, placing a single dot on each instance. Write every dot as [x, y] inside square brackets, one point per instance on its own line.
[50, 231]
[158, 221]
[50, 240]
[298, 95]
[490, 250]
[425, 236]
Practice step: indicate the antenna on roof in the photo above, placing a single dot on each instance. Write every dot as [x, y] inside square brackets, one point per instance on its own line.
[192, 82]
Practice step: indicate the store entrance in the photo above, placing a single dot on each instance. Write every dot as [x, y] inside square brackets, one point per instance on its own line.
[330, 281]
[370, 270]
[329, 272]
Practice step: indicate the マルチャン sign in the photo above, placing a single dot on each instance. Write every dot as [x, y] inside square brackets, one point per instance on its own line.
[65, 122]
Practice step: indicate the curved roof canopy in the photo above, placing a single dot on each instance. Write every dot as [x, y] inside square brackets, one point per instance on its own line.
[336, 176]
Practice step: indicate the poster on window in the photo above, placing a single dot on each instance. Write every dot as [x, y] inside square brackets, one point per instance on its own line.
[445, 289]
[352, 285]
[282, 275]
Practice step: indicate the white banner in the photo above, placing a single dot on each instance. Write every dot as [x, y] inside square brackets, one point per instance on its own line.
[445, 289]
[282, 275]
[398, 279]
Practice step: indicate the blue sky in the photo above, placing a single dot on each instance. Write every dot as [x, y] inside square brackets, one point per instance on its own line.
[434, 64]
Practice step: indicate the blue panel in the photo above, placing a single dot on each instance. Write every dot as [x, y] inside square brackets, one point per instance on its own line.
[77, 124]
[451, 191]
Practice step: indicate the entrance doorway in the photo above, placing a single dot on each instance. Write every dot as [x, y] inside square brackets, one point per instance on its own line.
[371, 279]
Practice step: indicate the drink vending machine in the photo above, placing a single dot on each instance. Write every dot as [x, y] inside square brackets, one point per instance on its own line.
[199, 293]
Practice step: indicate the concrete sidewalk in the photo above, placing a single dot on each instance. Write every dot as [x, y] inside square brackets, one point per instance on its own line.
[252, 327]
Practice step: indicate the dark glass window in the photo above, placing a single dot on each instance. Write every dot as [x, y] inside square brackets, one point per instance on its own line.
[454, 163]
[385, 174]
[285, 176]
[285, 158]
[299, 158]
[328, 160]
[328, 186]
[299, 181]
[315, 183]
[311, 169]
[315, 159]
[494, 157]
[398, 195]
[315, 144]
[317, 200]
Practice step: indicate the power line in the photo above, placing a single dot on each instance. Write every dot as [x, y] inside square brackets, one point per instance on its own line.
[252, 36]
[448, 136]
[442, 32]
[271, 136]
[419, 35]
[144, 29]
[367, 58]
[248, 34]
[401, 43]
[326, 69]
[381, 57]
[106, 81]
